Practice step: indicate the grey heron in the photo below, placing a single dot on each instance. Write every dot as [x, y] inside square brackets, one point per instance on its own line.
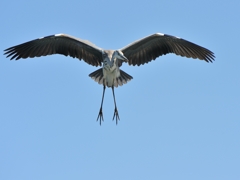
[137, 53]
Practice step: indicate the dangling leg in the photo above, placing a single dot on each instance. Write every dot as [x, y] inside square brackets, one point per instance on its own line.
[115, 110]
[100, 115]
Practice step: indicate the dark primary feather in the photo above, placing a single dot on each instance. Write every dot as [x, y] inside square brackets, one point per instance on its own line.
[153, 46]
[138, 52]
[57, 44]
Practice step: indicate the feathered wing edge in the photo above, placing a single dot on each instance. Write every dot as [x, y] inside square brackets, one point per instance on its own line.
[57, 44]
[124, 78]
[151, 47]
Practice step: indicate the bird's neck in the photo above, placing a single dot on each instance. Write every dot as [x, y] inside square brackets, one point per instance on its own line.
[109, 64]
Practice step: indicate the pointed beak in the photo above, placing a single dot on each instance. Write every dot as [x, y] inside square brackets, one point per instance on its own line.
[122, 57]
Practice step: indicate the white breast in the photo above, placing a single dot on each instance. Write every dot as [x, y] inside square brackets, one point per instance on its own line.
[110, 73]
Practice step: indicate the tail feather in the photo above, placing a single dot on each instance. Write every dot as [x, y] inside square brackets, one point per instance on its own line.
[119, 81]
[97, 76]
[124, 78]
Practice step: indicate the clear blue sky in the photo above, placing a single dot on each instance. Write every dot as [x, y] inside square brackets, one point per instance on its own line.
[179, 117]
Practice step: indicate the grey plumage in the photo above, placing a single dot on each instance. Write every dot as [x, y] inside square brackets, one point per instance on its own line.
[122, 79]
[137, 53]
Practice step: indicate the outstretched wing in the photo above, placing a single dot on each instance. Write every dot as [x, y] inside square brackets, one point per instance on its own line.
[57, 44]
[155, 45]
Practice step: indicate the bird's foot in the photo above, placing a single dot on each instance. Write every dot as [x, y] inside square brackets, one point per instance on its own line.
[100, 115]
[116, 115]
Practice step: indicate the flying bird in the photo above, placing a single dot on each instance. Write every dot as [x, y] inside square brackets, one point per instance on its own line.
[137, 53]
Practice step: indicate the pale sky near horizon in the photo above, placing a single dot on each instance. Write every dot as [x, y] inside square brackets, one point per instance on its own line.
[179, 117]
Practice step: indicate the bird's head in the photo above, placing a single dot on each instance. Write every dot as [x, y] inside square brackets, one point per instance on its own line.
[119, 55]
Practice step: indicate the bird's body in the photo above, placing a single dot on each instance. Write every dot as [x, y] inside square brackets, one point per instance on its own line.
[110, 69]
[110, 74]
